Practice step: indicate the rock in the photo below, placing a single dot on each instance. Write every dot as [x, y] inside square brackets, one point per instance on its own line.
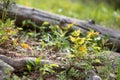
[112, 76]
[93, 75]
[96, 77]
[114, 55]
[5, 70]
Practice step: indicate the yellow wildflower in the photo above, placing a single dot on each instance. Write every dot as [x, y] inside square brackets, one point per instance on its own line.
[96, 33]
[72, 39]
[24, 45]
[69, 26]
[76, 33]
[83, 49]
[81, 40]
[4, 38]
[91, 33]
[10, 31]
[77, 39]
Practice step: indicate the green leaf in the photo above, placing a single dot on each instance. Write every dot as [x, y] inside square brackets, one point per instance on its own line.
[45, 23]
[20, 28]
[54, 65]
[29, 67]
[29, 62]
[38, 60]
[24, 22]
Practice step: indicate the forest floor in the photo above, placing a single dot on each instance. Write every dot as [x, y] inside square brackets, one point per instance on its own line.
[78, 52]
[49, 47]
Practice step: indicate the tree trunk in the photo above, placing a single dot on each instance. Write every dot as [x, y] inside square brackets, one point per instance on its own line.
[21, 13]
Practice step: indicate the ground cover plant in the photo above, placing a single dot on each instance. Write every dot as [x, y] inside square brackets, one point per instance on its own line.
[80, 52]
[83, 52]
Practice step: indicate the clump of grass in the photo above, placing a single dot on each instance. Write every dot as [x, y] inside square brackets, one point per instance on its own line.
[7, 26]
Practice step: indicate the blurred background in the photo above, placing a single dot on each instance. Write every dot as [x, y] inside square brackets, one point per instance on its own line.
[104, 12]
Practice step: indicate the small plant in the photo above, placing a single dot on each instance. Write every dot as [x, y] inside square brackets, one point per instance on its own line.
[118, 70]
[6, 4]
[41, 67]
[47, 69]
[86, 46]
[7, 31]
[87, 51]
[62, 76]
[31, 65]
[55, 37]
[7, 26]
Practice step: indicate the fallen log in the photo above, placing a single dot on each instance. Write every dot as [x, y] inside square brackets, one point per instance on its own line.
[20, 65]
[21, 13]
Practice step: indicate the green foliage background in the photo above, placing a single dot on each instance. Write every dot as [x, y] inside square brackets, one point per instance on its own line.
[101, 12]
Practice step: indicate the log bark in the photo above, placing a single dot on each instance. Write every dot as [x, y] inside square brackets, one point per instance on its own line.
[20, 65]
[21, 13]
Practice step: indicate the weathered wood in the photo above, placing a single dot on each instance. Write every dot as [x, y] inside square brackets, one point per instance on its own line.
[21, 13]
[20, 65]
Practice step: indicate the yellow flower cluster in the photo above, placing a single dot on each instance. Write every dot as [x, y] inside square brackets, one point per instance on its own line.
[91, 33]
[82, 43]
[83, 49]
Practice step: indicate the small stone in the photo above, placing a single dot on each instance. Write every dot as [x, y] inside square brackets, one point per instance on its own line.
[53, 56]
[113, 76]
[96, 77]
[93, 75]
[58, 58]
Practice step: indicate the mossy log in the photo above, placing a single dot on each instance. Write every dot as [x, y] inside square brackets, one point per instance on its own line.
[21, 13]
